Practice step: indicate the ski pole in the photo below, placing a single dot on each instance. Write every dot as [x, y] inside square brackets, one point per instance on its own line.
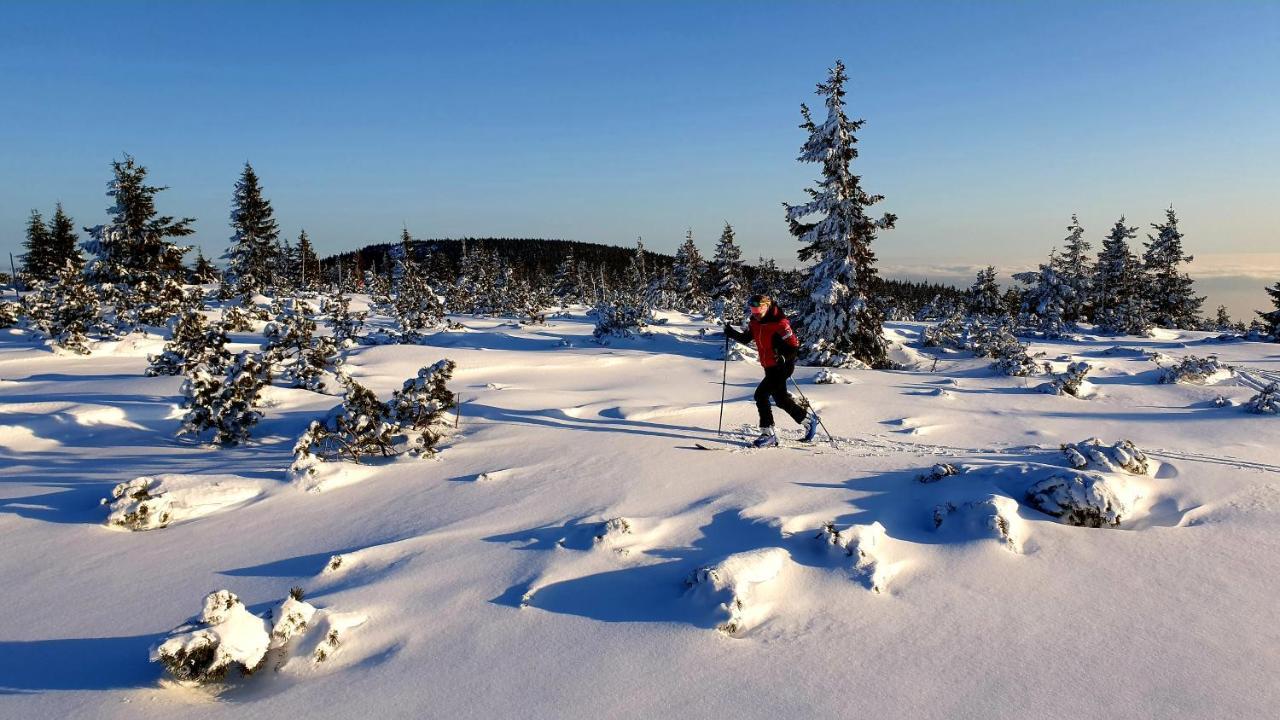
[724, 375]
[814, 411]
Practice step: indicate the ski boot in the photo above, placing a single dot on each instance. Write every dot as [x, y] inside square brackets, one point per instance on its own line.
[767, 438]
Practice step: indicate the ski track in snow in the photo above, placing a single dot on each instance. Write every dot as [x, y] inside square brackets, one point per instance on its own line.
[568, 554]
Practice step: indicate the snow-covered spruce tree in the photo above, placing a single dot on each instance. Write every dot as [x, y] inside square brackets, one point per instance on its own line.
[293, 346]
[1170, 297]
[203, 272]
[136, 264]
[1271, 319]
[194, 342]
[729, 293]
[10, 313]
[306, 266]
[1266, 402]
[417, 408]
[768, 279]
[461, 297]
[37, 262]
[839, 322]
[1119, 304]
[358, 428]
[1046, 299]
[687, 276]
[252, 259]
[225, 404]
[624, 311]
[64, 309]
[345, 325]
[1072, 267]
[984, 295]
[566, 286]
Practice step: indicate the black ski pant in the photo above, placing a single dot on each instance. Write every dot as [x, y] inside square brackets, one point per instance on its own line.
[774, 385]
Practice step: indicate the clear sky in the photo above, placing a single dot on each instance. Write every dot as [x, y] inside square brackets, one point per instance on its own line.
[988, 124]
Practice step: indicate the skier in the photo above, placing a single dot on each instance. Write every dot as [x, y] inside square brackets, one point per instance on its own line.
[778, 347]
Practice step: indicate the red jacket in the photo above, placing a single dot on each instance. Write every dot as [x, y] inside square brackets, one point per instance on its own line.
[775, 341]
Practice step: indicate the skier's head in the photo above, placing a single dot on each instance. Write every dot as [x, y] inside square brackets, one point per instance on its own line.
[759, 305]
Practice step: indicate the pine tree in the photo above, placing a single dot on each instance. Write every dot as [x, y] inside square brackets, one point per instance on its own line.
[133, 252]
[1271, 319]
[687, 276]
[204, 272]
[416, 306]
[1046, 299]
[360, 427]
[64, 245]
[293, 346]
[346, 325]
[726, 272]
[984, 295]
[1222, 320]
[194, 342]
[1073, 267]
[768, 280]
[1170, 297]
[840, 323]
[417, 408]
[64, 309]
[253, 257]
[306, 264]
[37, 263]
[567, 284]
[1119, 305]
[226, 403]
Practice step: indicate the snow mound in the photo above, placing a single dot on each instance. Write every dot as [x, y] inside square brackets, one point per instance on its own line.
[1192, 370]
[993, 516]
[1086, 500]
[826, 377]
[1072, 382]
[937, 472]
[226, 637]
[865, 544]
[1266, 402]
[730, 586]
[610, 531]
[148, 503]
[1093, 454]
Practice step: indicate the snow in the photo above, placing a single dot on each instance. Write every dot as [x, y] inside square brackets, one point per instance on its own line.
[537, 565]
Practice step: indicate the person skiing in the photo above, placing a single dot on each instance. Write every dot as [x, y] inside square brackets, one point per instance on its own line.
[778, 347]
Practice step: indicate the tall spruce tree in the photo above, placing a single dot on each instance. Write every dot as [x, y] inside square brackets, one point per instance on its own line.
[1073, 269]
[566, 286]
[1170, 297]
[252, 257]
[203, 272]
[134, 253]
[688, 273]
[37, 262]
[729, 292]
[1119, 305]
[840, 322]
[306, 264]
[984, 295]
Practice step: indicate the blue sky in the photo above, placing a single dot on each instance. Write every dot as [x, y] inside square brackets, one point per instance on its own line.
[988, 124]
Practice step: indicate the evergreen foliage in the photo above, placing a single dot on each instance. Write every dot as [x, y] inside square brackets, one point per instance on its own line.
[344, 324]
[37, 263]
[64, 309]
[1046, 300]
[194, 342]
[358, 428]
[839, 321]
[1072, 268]
[253, 258]
[225, 404]
[1171, 299]
[984, 295]
[203, 272]
[729, 293]
[1271, 319]
[293, 347]
[1119, 305]
[687, 277]
[418, 407]
[306, 266]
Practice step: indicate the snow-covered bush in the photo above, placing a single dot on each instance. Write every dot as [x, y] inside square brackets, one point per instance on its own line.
[418, 407]
[993, 516]
[1072, 382]
[293, 346]
[619, 318]
[227, 637]
[727, 587]
[1093, 454]
[346, 325]
[225, 404]
[237, 319]
[1017, 362]
[865, 544]
[194, 342]
[950, 333]
[826, 376]
[937, 472]
[1084, 499]
[149, 503]
[9, 313]
[358, 428]
[1266, 402]
[1197, 371]
[64, 310]
[135, 508]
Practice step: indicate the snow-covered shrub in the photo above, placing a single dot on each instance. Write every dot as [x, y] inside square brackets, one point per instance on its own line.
[346, 325]
[418, 407]
[358, 428]
[226, 637]
[1266, 402]
[1084, 499]
[727, 586]
[1072, 382]
[225, 404]
[293, 345]
[826, 376]
[194, 342]
[237, 319]
[993, 516]
[864, 543]
[612, 528]
[950, 333]
[618, 318]
[9, 313]
[1197, 371]
[1093, 454]
[135, 508]
[937, 472]
[292, 618]
[64, 310]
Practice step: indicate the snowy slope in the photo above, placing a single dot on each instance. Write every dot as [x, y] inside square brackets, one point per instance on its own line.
[490, 582]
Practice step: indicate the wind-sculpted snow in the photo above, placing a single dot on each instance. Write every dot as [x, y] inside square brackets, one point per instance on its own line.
[147, 503]
[731, 587]
[994, 516]
[864, 545]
